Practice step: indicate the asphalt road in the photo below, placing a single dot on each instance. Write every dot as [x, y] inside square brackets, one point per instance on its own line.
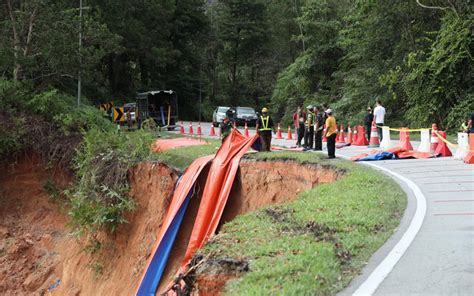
[440, 258]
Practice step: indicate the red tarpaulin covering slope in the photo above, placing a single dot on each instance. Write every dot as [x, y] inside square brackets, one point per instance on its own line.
[166, 144]
[216, 190]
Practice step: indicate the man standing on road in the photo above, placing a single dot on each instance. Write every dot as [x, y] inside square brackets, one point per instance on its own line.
[331, 133]
[318, 129]
[368, 119]
[299, 118]
[379, 117]
[309, 128]
[264, 129]
[226, 127]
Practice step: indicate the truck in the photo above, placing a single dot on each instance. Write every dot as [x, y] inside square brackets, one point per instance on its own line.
[159, 105]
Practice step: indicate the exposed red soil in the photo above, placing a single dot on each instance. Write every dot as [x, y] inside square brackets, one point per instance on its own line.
[259, 184]
[124, 257]
[31, 226]
[36, 249]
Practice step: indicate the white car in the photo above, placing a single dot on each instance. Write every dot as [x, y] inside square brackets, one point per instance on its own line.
[219, 115]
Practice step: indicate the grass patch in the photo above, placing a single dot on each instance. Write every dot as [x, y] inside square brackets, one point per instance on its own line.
[318, 243]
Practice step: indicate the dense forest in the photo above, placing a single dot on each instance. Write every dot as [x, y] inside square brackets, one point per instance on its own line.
[415, 55]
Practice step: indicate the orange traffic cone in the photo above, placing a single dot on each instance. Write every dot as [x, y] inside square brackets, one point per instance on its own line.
[341, 135]
[434, 138]
[290, 136]
[199, 131]
[279, 133]
[246, 130]
[470, 155]
[405, 140]
[374, 136]
[191, 132]
[325, 139]
[349, 134]
[361, 140]
[213, 131]
[442, 148]
[181, 129]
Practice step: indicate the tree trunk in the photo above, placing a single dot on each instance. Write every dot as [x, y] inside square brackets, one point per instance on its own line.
[16, 43]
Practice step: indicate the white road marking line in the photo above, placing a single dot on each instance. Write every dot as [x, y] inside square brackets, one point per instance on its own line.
[384, 268]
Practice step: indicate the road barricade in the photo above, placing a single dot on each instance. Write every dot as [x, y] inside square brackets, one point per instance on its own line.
[405, 139]
[470, 155]
[463, 146]
[425, 141]
[386, 142]
[442, 148]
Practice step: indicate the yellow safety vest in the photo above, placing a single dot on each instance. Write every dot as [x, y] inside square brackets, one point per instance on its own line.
[309, 119]
[265, 121]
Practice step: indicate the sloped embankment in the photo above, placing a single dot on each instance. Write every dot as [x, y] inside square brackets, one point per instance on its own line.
[36, 250]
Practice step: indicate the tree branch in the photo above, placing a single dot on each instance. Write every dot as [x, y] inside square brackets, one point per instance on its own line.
[435, 7]
[16, 42]
[30, 32]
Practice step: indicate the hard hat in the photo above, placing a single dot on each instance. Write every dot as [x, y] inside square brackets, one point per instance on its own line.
[329, 111]
[310, 107]
[264, 110]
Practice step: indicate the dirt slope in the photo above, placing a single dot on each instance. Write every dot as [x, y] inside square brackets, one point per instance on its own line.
[31, 226]
[36, 250]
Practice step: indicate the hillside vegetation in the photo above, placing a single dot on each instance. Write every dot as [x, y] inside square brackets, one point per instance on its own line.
[416, 55]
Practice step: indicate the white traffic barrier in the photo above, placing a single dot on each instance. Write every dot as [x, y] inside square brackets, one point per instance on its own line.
[386, 141]
[425, 145]
[463, 146]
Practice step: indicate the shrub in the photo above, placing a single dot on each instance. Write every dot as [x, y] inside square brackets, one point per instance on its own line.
[50, 104]
[14, 94]
[12, 134]
[83, 118]
[100, 198]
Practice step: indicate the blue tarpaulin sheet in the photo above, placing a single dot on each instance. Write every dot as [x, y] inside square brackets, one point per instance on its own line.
[157, 265]
[379, 156]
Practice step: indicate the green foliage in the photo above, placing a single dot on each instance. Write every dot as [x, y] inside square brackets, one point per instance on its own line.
[309, 80]
[14, 94]
[460, 113]
[50, 103]
[441, 77]
[99, 199]
[12, 132]
[52, 190]
[83, 118]
[97, 267]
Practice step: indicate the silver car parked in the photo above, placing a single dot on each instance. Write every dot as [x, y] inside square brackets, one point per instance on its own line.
[219, 115]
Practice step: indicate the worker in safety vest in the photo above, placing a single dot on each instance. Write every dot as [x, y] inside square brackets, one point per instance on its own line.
[264, 129]
[309, 128]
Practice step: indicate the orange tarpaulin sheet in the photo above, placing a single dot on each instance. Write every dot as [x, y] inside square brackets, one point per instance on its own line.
[216, 190]
[166, 144]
